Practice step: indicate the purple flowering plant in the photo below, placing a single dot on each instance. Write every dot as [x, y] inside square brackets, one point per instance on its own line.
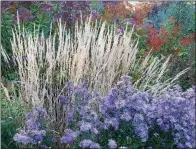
[125, 117]
[34, 132]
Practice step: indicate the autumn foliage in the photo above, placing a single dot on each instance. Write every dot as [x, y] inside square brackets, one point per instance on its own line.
[155, 41]
[141, 11]
[113, 12]
[187, 40]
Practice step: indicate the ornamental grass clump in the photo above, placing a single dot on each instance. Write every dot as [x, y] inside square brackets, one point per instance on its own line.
[101, 122]
[91, 51]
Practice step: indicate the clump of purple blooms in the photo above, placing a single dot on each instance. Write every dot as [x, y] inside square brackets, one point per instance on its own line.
[70, 136]
[112, 144]
[91, 115]
[89, 144]
[32, 133]
[175, 111]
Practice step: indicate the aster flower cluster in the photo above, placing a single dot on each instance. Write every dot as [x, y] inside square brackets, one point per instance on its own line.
[89, 144]
[175, 111]
[32, 133]
[70, 136]
[125, 103]
[90, 116]
[87, 118]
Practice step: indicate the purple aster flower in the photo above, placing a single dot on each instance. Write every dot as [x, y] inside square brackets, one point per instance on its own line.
[44, 146]
[120, 104]
[114, 92]
[24, 139]
[70, 136]
[32, 124]
[85, 126]
[84, 84]
[67, 139]
[63, 99]
[85, 143]
[54, 140]
[70, 115]
[40, 112]
[89, 144]
[174, 110]
[126, 116]
[30, 116]
[25, 58]
[94, 13]
[32, 132]
[140, 127]
[95, 146]
[112, 144]
[95, 131]
[126, 79]
[38, 138]
[120, 30]
[112, 122]
[129, 20]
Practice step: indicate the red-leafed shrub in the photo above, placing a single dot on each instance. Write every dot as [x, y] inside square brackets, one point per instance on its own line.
[187, 40]
[156, 40]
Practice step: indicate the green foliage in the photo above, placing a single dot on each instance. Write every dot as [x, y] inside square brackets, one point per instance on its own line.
[42, 22]
[6, 30]
[160, 139]
[6, 35]
[120, 136]
[12, 118]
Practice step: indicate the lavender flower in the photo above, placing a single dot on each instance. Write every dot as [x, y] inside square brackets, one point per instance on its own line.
[70, 136]
[112, 144]
[32, 133]
[95, 131]
[129, 20]
[63, 99]
[70, 115]
[112, 122]
[94, 13]
[44, 146]
[24, 139]
[25, 58]
[125, 116]
[140, 127]
[89, 144]
[40, 112]
[174, 111]
[85, 126]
